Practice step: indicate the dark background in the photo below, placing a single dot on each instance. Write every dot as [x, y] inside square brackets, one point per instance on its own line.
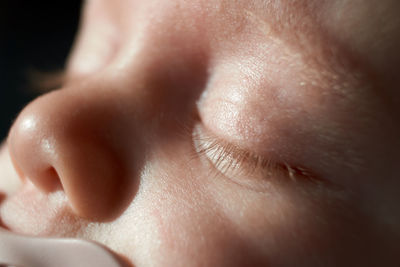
[34, 36]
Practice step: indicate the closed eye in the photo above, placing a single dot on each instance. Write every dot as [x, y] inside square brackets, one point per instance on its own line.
[243, 166]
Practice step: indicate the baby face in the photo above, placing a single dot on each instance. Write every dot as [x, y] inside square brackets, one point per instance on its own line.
[218, 133]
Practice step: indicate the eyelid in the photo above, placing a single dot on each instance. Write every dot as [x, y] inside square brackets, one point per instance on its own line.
[243, 166]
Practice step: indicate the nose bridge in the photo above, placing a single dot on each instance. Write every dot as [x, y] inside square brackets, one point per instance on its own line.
[160, 72]
[169, 84]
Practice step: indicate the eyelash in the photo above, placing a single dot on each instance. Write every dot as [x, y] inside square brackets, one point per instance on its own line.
[230, 160]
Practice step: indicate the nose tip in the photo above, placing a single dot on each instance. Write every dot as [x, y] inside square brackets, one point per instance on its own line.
[60, 141]
[31, 151]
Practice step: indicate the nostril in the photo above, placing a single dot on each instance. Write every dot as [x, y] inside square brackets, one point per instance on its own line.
[52, 180]
[46, 180]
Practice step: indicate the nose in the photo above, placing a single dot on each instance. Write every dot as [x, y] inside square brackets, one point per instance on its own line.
[67, 140]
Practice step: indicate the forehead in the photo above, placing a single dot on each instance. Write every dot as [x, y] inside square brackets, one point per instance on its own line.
[268, 42]
[352, 23]
[356, 26]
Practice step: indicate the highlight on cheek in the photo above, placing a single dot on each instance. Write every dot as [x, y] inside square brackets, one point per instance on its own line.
[245, 167]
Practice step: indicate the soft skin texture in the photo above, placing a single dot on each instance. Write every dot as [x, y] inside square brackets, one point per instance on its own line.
[218, 133]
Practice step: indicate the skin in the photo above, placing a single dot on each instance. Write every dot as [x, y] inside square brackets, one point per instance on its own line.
[126, 152]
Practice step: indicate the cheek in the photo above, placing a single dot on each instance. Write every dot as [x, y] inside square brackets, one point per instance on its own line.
[295, 225]
[176, 219]
[186, 215]
[196, 232]
[209, 221]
